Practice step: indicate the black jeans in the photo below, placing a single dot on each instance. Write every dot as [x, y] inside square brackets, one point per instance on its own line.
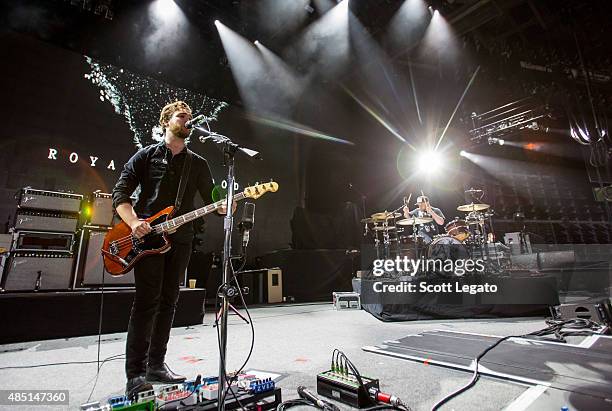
[157, 280]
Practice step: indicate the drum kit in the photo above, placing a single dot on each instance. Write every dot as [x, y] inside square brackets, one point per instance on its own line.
[393, 235]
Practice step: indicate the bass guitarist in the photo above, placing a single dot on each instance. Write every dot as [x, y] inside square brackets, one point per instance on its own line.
[168, 173]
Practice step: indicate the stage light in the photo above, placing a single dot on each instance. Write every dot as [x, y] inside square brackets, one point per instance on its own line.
[463, 153]
[494, 140]
[408, 25]
[439, 41]
[256, 42]
[162, 40]
[326, 42]
[429, 160]
[217, 22]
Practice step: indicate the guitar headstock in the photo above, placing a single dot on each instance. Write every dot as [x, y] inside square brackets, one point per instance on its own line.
[258, 190]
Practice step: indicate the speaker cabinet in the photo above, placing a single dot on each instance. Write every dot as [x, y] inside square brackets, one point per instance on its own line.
[90, 267]
[101, 209]
[30, 271]
[274, 285]
[265, 285]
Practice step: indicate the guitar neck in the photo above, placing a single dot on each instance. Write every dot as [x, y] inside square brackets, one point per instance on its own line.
[176, 222]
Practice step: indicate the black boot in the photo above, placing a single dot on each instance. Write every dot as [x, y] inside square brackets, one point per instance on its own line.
[136, 385]
[163, 375]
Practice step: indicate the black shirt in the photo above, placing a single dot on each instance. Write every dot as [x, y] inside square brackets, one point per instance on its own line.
[158, 173]
[428, 230]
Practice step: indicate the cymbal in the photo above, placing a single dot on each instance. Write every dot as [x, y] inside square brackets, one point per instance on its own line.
[473, 190]
[384, 228]
[385, 215]
[367, 220]
[472, 207]
[415, 220]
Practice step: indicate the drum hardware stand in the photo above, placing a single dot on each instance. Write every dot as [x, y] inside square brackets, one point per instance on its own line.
[519, 216]
[397, 243]
[363, 203]
[229, 150]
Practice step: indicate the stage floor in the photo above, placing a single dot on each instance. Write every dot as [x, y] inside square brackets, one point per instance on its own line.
[295, 340]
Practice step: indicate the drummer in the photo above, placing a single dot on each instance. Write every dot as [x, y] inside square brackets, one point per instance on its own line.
[427, 230]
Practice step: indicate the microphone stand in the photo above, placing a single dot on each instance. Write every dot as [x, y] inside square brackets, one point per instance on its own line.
[229, 149]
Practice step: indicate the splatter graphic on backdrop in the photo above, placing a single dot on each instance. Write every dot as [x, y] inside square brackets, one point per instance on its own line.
[140, 99]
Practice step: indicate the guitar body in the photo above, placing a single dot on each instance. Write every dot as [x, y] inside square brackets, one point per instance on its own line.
[121, 250]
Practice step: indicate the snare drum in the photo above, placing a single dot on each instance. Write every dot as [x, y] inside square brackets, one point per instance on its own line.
[458, 229]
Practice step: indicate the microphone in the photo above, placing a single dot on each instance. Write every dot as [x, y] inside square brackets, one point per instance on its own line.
[196, 121]
[247, 223]
[316, 401]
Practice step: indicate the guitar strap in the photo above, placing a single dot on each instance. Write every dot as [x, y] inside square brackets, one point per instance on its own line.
[184, 179]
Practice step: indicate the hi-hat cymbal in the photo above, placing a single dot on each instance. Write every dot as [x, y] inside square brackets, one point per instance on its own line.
[415, 220]
[472, 207]
[385, 215]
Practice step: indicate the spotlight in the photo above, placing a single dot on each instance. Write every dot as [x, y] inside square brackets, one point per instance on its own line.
[429, 160]
[463, 153]
[494, 140]
[256, 42]
[217, 22]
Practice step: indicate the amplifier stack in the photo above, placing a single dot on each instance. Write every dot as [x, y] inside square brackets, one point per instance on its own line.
[89, 266]
[55, 243]
[42, 249]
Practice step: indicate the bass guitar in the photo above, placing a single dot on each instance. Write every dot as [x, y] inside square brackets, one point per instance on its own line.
[121, 250]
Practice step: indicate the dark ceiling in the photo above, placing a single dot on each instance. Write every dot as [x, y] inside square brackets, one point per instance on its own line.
[543, 31]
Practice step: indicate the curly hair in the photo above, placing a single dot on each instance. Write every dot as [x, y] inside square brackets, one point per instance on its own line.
[169, 110]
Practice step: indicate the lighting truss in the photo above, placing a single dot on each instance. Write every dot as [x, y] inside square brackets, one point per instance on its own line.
[502, 121]
[100, 7]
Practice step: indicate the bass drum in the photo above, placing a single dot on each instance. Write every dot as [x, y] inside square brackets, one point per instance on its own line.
[458, 228]
[444, 248]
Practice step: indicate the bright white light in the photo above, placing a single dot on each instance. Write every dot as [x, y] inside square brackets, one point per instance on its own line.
[166, 35]
[429, 161]
[501, 142]
[326, 41]
[217, 22]
[256, 42]
[408, 24]
[463, 153]
[166, 6]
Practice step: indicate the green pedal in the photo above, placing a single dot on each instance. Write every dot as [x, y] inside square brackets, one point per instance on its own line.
[139, 406]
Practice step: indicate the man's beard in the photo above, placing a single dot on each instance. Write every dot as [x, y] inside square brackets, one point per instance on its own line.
[178, 131]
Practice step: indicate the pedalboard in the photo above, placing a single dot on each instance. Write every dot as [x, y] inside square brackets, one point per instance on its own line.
[249, 391]
[345, 388]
